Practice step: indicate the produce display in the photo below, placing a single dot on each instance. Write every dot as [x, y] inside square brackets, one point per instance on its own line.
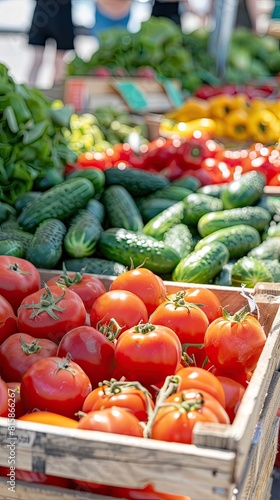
[160, 48]
[196, 373]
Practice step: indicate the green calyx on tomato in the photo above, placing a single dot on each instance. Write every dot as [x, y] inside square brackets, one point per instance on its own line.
[66, 280]
[30, 348]
[144, 328]
[178, 301]
[110, 331]
[189, 405]
[47, 304]
[65, 364]
[237, 317]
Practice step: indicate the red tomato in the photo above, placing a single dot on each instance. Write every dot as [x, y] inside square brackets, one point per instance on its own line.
[116, 420]
[87, 286]
[207, 300]
[8, 320]
[122, 395]
[4, 394]
[234, 393]
[147, 493]
[51, 312]
[20, 351]
[126, 308]
[19, 278]
[14, 392]
[234, 343]
[148, 353]
[35, 477]
[190, 395]
[91, 350]
[55, 384]
[144, 283]
[200, 379]
[242, 378]
[94, 159]
[187, 320]
[175, 423]
[49, 418]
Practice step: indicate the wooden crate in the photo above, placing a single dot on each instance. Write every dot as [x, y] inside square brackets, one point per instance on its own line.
[231, 462]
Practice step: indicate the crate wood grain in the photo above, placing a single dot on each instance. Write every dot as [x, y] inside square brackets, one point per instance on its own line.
[211, 468]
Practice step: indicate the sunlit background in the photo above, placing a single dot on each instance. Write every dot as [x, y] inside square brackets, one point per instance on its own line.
[15, 18]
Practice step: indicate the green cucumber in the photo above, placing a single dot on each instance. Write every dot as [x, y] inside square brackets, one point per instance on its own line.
[273, 231]
[82, 235]
[257, 217]
[138, 182]
[274, 267]
[15, 235]
[10, 224]
[94, 175]
[224, 276]
[188, 182]
[6, 211]
[212, 190]
[245, 191]
[239, 239]
[26, 198]
[196, 205]
[121, 209]
[137, 248]
[12, 247]
[268, 249]
[46, 246]
[151, 207]
[94, 265]
[59, 202]
[158, 225]
[180, 239]
[176, 193]
[200, 266]
[250, 271]
[272, 204]
[96, 208]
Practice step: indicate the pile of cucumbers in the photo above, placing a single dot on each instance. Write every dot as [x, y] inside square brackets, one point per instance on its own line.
[107, 221]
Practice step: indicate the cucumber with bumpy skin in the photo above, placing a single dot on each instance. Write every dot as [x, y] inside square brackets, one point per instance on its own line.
[46, 246]
[121, 209]
[239, 239]
[257, 217]
[250, 271]
[95, 265]
[138, 182]
[12, 247]
[180, 239]
[200, 266]
[129, 247]
[82, 235]
[59, 202]
[268, 249]
[151, 207]
[245, 191]
[158, 225]
[197, 204]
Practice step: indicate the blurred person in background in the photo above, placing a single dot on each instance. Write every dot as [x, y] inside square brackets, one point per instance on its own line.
[111, 14]
[52, 19]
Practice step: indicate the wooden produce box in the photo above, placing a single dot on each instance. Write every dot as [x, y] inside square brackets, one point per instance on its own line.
[136, 95]
[230, 462]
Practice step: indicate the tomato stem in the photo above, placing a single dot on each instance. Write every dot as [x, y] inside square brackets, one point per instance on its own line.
[15, 267]
[169, 387]
[144, 328]
[110, 331]
[66, 280]
[64, 364]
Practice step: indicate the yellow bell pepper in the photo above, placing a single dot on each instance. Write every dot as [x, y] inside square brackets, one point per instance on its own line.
[264, 127]
[192, 109]
[186, 129]
[221, 105]
[237, 125]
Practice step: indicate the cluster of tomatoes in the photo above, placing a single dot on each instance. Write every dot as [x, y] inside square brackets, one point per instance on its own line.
[136, 359]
